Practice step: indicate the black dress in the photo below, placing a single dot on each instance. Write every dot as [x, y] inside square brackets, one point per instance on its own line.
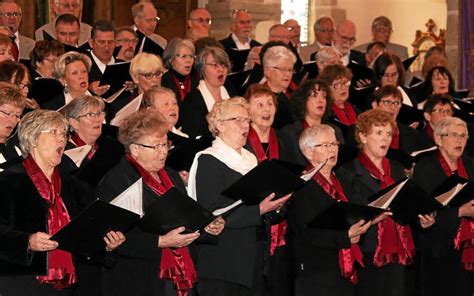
[138, 267]
[441, 271]
[391, 279]
[234, 266]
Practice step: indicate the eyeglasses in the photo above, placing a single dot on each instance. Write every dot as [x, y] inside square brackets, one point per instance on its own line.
[51, 60]
[105, 42]
[92, 115]
[388, 103]
[341, 84]
[239, 120]
[10, 114]
[10, 14]
[328, 145]
[127, 40]
[327, 31]
[59, 134]
[186, 56]
[447, 112]
[216, 65]
[455, 135]
[69, 5]
[347, 39]
[202, 20]
[390, 75]
[149, 76]
[284, 70]
[23, 86]
[159, 146]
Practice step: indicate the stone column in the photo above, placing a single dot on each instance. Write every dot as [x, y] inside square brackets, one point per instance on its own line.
[453, 40]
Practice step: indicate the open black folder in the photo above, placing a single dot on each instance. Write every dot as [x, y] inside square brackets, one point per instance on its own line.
[115, 75]
[183, 150]
[405, 200]
[269, 176]
[460, 196]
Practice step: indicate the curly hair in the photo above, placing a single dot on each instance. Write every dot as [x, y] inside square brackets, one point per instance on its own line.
[367, 120]
[300, 96]
[219, 111]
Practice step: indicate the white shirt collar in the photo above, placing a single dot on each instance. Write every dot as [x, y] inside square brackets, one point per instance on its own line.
[100, 64]
[239, 44]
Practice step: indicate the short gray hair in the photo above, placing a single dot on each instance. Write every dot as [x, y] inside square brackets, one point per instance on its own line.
[326, 54]
[68, 58]
[218, 53]
[310, 135]
[137, 9]
[381, 21]
[81, 103]
[173, 47]
[442, 126]
[154, 91]
[220, 109]
[319, 21]
[275, 54]
[33, 123]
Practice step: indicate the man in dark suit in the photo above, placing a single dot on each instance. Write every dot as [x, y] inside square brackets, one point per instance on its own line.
[239, 39]
[343, 40]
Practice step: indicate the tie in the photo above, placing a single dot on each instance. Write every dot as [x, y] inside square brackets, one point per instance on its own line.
[15, 51]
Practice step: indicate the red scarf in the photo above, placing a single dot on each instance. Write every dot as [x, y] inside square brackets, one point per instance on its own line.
[278, 231]
[61, 272]
[465, 237]
[395, 242]
[395, 144]
[176, 264]
[305, 124]
[347, 257]
[346, 115]
[183, 88]
[291, 88]
[79, 143]
[429, 132]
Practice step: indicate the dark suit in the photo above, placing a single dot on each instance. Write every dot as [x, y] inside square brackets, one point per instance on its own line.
[229, 44]
[236, 260]
[441, 272]
[137, 270]
[390, 279]
[94, 73]
[54, 103]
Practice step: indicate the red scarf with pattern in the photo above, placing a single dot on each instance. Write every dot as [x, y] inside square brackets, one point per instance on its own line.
[346, 115]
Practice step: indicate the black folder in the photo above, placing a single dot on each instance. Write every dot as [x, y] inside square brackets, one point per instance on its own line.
[309, 70]
[172, 210]
[409, 115]
[362, 97]
[47, 36]
[408, 62]
[149, 45]
[115, 75]
[182, 151]
[84, 234]
[360, 72]
[44, 89]
[238, 58]
[464, 196]
[269, 176]
[407, 159]
[238, 79]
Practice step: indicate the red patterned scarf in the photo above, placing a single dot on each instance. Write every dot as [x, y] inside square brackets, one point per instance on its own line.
[395, 242]
[346, 115]
[61, 272]
[347, 257]
[278, 231]
[176, 264]
[465, 237]
[183, 87]
[79, 143]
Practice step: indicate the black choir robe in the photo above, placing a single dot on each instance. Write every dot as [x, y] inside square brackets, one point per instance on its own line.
[390, 279]
[168, 81]
[441, 271]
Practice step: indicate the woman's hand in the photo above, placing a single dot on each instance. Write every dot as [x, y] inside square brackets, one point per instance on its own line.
[357, 230]
[113, 240]
[31, 103]
[381, 217]
[184, 176]
[427, 220]
[98, 90]
[268, 204]
[174, 238]
[129, 86]
[40, 242]
[467, 209]
[216, 226]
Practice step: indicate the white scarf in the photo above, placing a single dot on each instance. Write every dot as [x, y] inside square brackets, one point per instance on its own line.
[208, 98]
[241, 162]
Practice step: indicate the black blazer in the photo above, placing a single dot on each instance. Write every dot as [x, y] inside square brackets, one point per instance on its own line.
[137, 270]
[192, 114]
[54, 103]
[229, 44]
[94, 74]
[236, 256]
[357, 57]
[168, 81]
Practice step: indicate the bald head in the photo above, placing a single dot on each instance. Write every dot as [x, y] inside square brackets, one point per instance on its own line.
[344, 36]
[295, 30]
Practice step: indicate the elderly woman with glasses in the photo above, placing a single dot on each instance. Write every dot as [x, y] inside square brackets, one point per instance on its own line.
[12, 104]
[235, 265]
[389, 249]
[339, 78]
[149, 264]
[309, 107]
[37, 200]
[278, 68]
[213, 65]
[85, 115]
[446, 265]
[179, 58]
[436, 108]
[321, 255]
[72, 70]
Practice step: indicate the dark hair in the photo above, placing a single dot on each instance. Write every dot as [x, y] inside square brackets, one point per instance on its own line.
[373, 44]
[429, 81]
[438, 99]
[300, 96]
[381, 64]
[204, 42]
[44, 48]
[386, 91]
[259, 90]
[10, 68]
[334, 72]
[103, 26]
[67, 18]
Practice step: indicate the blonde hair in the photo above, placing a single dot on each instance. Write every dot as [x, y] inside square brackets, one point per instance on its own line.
[60, 66]
[220, 109]
[145, 63]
